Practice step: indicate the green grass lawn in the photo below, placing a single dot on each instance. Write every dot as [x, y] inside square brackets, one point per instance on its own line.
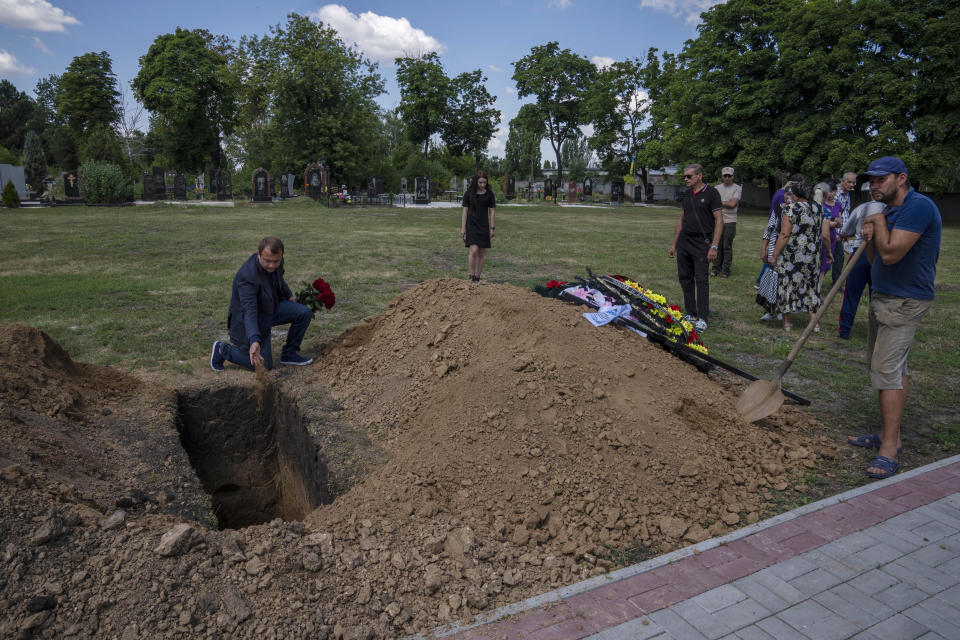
[148, 287]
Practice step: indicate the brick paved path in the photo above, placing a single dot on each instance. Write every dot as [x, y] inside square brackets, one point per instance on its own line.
[879, 562]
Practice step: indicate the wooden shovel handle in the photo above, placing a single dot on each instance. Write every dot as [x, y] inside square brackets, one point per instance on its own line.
[823, 307]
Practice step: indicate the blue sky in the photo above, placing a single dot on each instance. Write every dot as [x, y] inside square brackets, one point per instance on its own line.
[40, 37]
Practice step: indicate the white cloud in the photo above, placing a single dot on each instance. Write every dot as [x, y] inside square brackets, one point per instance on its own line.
[36, 15]
[494, 67]
[602, 62]
[38, 43]
[689, 9]
[498, 143]
[511, 90]
[381, 38]
[9, 65]
[561, 4]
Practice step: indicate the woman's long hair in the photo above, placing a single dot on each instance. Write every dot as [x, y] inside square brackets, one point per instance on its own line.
[473, 189]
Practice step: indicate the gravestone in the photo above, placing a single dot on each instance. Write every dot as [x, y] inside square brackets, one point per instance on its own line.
[71, 185]
[260, 183]
[453, 183]
[649, 192]
[571, 191]
[221, 183]
[588, 188]
[313, 179]
[509, 186]
[179, 187]
[159, 184]
[375, 187]
[283, 186]
[547, 187]
[421, 190]
[16, 176]
[198, 186]
[466, 184]
[637, 193]
[616, 190]
[403, 185]
[291, 183]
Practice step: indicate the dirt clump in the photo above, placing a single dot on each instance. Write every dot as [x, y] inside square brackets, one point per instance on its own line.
[508, 448]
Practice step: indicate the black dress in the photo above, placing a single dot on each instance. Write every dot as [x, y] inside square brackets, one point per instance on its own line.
[478, 218]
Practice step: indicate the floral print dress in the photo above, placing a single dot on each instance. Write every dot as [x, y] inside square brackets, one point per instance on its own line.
[798, 266]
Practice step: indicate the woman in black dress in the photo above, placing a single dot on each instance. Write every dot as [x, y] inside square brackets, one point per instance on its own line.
[476, 224]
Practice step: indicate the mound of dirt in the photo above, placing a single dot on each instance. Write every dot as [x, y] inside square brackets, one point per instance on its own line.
[38, 375]
[509, 448]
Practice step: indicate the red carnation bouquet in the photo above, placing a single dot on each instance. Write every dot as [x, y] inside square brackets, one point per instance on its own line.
[316, 295]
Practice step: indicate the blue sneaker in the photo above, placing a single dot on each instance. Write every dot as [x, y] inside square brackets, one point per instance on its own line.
[296, 359]
[216, 356]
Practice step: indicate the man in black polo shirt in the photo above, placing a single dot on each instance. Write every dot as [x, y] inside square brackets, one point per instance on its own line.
[695, 243]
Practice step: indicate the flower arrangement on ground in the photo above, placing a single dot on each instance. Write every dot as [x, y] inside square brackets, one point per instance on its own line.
[317, 295]
[670, 314]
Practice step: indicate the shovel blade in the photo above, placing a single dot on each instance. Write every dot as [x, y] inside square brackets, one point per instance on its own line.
[759, 400]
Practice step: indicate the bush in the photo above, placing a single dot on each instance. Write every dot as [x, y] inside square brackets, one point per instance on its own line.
[11, 199]
[103, 183]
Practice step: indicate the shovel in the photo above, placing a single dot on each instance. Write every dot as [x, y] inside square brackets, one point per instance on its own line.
[762, 398]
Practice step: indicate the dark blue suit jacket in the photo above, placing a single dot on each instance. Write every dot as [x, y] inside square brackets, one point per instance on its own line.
[253, 300]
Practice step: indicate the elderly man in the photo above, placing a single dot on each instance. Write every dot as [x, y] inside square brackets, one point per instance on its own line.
[903, 248]
[730, 200]
[260, 300]
[695, 243]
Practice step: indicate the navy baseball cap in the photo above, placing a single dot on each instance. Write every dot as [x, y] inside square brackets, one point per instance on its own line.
[883, 166]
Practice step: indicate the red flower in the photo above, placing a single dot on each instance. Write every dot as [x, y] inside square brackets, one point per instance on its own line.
[553, 284]
[324, 293]
[675, 307]
[693, 337]
[620, 278]
[319, 284]
[669, 319]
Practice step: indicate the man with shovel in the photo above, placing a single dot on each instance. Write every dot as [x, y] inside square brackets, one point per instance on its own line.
[903, 245]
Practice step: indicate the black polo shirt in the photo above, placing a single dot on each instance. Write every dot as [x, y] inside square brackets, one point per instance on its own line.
[698, 211]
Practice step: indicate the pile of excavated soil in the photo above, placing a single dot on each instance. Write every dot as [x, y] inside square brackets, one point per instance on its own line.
[521, 449]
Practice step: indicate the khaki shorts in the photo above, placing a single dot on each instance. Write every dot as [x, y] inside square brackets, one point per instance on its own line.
[893, 323]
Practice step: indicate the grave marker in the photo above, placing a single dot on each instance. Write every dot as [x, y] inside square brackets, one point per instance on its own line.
[260, 182]
[179, 187]
[616, 190]
[421, 190]
[588, 188]
[509, 186]
[71, 185]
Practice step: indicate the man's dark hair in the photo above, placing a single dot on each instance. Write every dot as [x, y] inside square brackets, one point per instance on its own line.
[697, 168]
[270, 242]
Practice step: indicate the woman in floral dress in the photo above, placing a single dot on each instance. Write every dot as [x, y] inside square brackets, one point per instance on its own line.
[796, 255]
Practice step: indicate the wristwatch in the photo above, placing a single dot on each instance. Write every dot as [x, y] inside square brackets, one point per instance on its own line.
[715, 247]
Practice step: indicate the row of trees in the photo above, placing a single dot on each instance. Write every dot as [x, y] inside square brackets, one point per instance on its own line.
[771, 87]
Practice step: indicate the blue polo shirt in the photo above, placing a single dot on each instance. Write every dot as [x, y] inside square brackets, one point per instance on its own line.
[913, 276]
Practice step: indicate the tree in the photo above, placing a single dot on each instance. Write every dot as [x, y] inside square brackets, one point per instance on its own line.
[44, 120]
[34, 161]
[101, 144]
[523, 142]
[425, 94]
[87, 94]
[186, 81]
[16, 109]
[773, 87]
[470, 119]
[307, 96]
[619, 107]
[559, 80]
[576, 154]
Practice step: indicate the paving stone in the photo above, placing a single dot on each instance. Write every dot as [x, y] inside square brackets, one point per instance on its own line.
[766, 588]
[873, 582]
[780, 629]
[861, 560]
[943, 608]
[936, 616]
[951, 595]
[675, 626]
[935, 530]
[750, 633]
[839, 568]
[897, 537]
[719, 598]
[792, 568]
[710, 625]
[898, 627]
[924, 578]
[816, 621]
[934, 555]
[900, 596]
[741, 613]
[814, 582]
[854, 606]
[932, 635]
[945, 513]
[633, 630]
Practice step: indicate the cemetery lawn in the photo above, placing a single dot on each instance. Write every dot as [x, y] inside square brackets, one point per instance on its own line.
[147, 289]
